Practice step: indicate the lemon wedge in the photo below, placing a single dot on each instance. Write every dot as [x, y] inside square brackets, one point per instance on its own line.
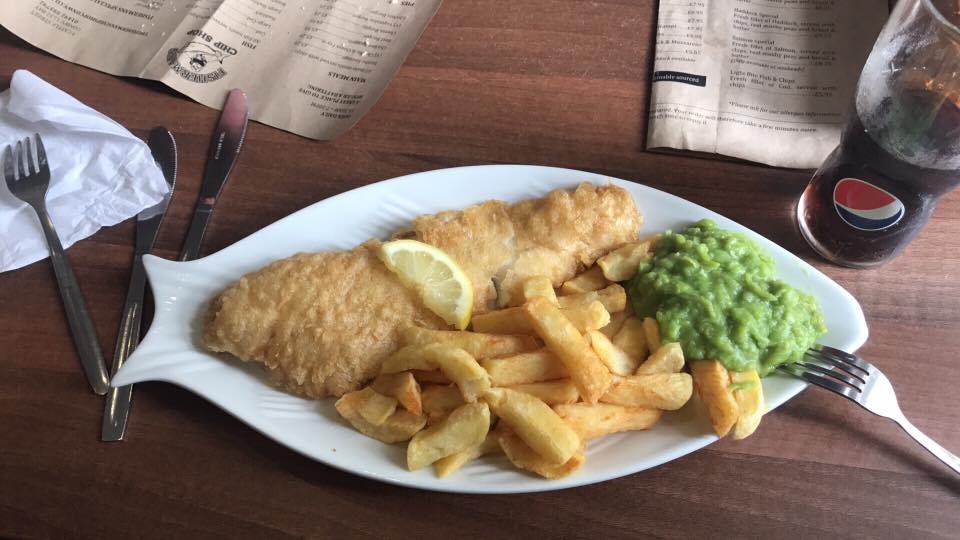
[442, 285]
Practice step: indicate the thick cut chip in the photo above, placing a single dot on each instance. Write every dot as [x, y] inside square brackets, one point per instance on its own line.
[615, 358]
[536, 423]
[400, 426]
[667, 359]
[551, 392]
[593, 421]
[430, 377]
[465, 428]
[401, 386]
[563, 339]
[591, 280]
[713, 386]
[454, 362]
[438, 401]
[631, 339]
[479, 346]
[514, 321]
[622, 263]
[652, 330]
[375, 407]
[540, 286]
[613, 298]
[589, 317]
[749, 395]
[616, 322]
[447, 465]
[409, 357]
[666, 391]
[524, 457]
[529, 367]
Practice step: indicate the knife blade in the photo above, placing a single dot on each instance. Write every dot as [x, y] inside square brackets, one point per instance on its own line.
[116, 409]
[222, 156]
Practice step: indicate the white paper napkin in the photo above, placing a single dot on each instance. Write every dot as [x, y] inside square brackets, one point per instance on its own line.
[100, 173]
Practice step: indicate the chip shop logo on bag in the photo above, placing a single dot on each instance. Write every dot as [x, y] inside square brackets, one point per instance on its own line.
[865, 206]
[200, 61]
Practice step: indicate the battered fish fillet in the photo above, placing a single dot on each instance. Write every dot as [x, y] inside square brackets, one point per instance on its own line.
[556, 236]
[323, 323]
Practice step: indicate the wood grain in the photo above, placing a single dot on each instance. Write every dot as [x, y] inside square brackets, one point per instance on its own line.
[551, 82]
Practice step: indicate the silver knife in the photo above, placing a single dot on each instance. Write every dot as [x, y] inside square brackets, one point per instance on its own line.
[222, 156]
[117, 407]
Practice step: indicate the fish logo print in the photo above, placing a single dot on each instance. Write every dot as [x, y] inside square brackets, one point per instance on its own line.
[866, 207]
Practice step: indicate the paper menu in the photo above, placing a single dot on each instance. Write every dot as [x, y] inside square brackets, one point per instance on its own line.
[313, 67]
[762, 80]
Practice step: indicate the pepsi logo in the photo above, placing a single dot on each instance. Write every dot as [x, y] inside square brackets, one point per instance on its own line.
[865, 206]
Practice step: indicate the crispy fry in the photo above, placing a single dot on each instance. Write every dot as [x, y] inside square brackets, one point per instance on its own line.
[666, 391]
[375, 407]
[523, 457]
[438, 401]
[590, 280]
[401, 386]
[464, 370]
[430, 377]
[667, 359]
[409, 357]
[593, 421]
[713, 386]
[465, 428]
[589, 317]
[479, 346]
[502, 321]
[621, 264]
[652, 331]
[454, 362]
[447, 465]
[632, 339]
[563, 339]
[550, 392]
[539, 286]
[529, 367]
[613, 298]
[616, 322]
[616, 360]
[513, 320]
[748, 391]
[400, 426]
[534, 422]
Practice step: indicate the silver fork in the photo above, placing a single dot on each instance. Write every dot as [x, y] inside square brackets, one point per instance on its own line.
[28, 182]
[861, 382]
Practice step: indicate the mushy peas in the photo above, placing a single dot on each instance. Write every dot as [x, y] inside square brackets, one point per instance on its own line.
[713, 291]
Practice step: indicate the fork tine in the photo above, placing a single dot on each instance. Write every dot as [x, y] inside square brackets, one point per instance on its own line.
[19, 157]
[855, 382]
[851, 359]
[851, 370]
[823, 382]
[8, 174]
[31, 168]
[41, 153]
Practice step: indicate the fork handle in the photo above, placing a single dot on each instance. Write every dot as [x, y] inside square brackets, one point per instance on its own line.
[81, 326]
[941, 453]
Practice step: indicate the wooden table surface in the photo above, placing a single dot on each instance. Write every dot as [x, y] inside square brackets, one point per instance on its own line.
[549, 82]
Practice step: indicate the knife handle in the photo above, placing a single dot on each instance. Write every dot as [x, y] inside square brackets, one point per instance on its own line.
[198, 225]
[117, 406]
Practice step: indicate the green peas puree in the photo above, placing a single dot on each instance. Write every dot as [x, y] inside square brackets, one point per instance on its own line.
[713, 291]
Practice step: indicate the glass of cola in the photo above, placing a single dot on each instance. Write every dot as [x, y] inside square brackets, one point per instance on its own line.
[900, 150]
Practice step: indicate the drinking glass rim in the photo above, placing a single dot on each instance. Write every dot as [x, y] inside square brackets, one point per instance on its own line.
[940, 17]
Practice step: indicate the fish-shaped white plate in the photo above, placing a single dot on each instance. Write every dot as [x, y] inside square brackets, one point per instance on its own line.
[170, 353]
